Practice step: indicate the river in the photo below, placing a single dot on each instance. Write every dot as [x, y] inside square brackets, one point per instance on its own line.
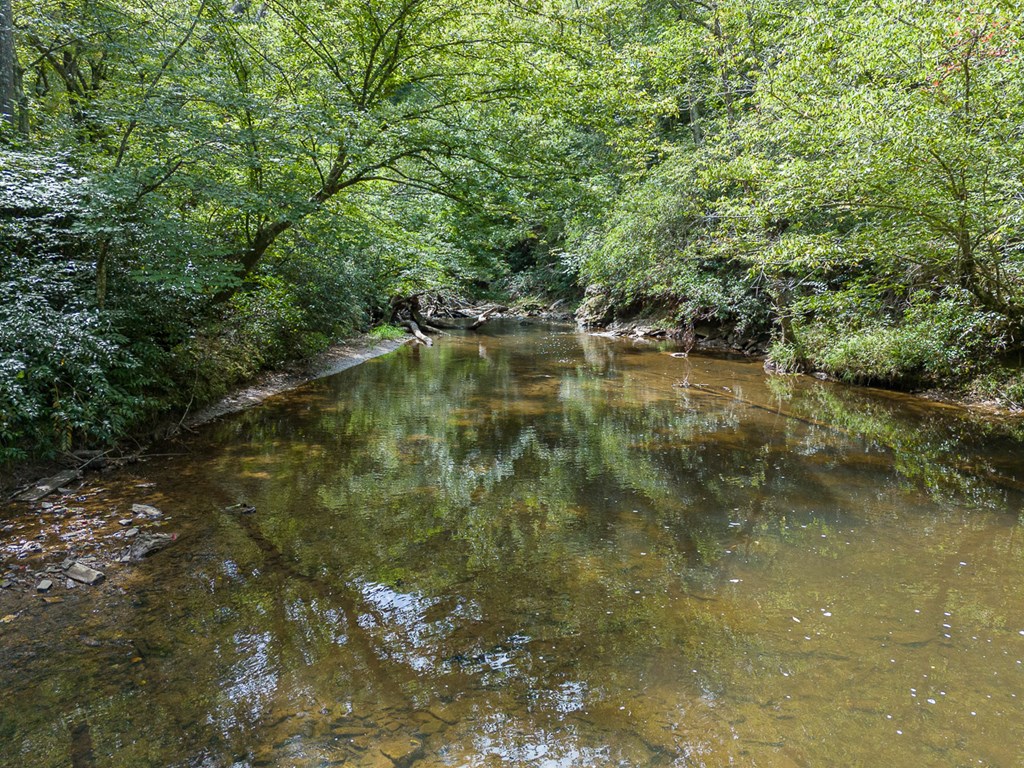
[534, 547]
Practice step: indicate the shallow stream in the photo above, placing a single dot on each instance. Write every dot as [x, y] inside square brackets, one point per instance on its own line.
[532, 547]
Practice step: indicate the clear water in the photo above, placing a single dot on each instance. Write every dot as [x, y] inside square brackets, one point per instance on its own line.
[531, 547]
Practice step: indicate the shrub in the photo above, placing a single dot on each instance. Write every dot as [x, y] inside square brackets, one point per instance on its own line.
[935, 341]
[65, 374]
[665, 243]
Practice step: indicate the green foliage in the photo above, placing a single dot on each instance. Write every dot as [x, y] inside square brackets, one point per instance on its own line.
[1003, 385]
[65, 374]
[905, 137]
[848, 171]
[68, 374]
[934, 341]
[212, 188]
[664, 244]
[269, 314]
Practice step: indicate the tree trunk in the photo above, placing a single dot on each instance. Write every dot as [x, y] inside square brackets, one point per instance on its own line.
[411, 306]
[8, 67]
[102, 259]
[248, 258]
[19, 91]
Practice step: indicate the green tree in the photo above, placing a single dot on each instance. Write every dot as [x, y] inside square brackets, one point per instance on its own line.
[894, 136]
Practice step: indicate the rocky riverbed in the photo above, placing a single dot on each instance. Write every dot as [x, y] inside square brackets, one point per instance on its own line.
[70, 540]
[57, 534]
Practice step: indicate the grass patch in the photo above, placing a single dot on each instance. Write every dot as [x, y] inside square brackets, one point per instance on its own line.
[387, 332]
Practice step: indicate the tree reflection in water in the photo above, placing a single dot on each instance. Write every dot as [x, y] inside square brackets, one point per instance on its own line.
[539, 548]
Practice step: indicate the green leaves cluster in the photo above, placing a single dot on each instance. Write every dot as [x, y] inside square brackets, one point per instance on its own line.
[811, 152]
[272, 172]
[230, 185]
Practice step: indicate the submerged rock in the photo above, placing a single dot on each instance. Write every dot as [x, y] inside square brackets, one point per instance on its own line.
[146, 544]
[402, 750]
[145, 510]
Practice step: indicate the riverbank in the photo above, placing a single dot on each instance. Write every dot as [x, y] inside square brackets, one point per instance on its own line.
[334, 359]
[707, 339]
[48, 541]
[992, 395]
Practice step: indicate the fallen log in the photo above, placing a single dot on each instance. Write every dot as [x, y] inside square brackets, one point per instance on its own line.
[414, 329]
[48, 485]
[417, 317]
[410, 306]
[400, 303]
[483, 318]
[441, 325]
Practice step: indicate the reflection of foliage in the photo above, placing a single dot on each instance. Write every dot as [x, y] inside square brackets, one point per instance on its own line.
[535, 529]
[928, 453]
[535, 476]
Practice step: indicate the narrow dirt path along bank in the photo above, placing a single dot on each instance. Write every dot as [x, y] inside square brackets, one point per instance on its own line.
[51, 531]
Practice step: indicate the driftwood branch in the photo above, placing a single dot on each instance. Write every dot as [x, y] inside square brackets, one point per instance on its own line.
[414, 329]
[480, 316]
[406, 311]
[409, 306]
[483, 318]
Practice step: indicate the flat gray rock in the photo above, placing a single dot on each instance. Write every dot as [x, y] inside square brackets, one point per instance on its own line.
[48, 485]
[146, 544]
[84, 574]
[145, 510]
[44, 586]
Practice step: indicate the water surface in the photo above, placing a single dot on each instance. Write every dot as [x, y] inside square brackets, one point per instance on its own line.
[531, 547]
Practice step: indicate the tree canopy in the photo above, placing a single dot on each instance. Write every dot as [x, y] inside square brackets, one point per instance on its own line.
[190, 191]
